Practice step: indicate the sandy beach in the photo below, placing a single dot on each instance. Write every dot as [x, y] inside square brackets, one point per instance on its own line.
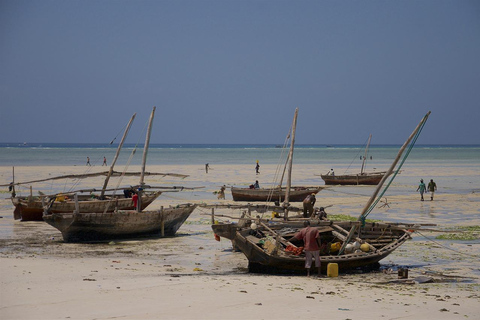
[192, 276]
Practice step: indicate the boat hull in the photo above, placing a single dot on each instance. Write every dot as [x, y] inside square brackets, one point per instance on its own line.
[88, 227]
[225, 230]
[353, 179]
[281, 262]
[297, 194]
[32, 210]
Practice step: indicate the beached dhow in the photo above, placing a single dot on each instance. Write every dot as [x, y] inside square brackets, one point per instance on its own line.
[272, 252]
[297, 194]
[98, 226]
[94, 226]
[362, 178]
[31, 208]
[372, 178]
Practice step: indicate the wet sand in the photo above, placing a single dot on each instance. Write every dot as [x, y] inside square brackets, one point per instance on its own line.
[193, 276]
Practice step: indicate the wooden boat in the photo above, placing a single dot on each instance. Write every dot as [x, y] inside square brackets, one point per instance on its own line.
[372, 178]
[362, 245]
[362, 178]
[30, 208]
[297, 194]
[227, 230]
[271, 253]
[98, 226]
[279, 193]
[93, 226]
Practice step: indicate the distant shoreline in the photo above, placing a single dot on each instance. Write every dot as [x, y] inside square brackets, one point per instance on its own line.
[218, 146]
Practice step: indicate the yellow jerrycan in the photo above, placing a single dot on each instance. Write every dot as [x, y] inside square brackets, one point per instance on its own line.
[332, 270]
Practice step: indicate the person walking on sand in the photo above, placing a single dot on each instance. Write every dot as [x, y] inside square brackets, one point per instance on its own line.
[104, 161]
[311, 241]
[308, 204]
[257, 168]
[432, 187]
[206, 168]
[421, 188]
[88, 161]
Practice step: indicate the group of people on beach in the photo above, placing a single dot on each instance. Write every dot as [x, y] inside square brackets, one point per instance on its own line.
[103, 164]
[432, 187]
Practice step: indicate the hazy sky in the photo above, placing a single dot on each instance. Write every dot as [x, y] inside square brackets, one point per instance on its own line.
[234, 71]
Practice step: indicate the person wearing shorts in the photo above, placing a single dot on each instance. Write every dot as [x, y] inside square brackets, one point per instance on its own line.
[311, 240]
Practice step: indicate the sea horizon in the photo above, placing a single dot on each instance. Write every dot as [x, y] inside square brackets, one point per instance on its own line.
[216, 145]
[339, 155]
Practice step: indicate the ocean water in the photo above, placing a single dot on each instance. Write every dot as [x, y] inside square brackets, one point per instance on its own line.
[457, 167]
[51, 154]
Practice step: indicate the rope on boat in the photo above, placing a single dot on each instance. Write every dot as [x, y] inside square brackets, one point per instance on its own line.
[119, 132]
[407, 153]
[90, 168]
[75, 184]
[356, 156]
[411, 140]
[437, 243]
[277, 169]
[121, 178]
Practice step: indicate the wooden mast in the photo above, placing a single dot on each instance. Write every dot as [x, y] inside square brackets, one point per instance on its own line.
[102, 194]
[13, 194]
[144, 159]
[366, 151]
[290, 161]
[389, 171]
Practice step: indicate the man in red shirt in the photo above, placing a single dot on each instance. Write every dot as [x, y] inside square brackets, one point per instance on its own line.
[135, 200]
[311, 240]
